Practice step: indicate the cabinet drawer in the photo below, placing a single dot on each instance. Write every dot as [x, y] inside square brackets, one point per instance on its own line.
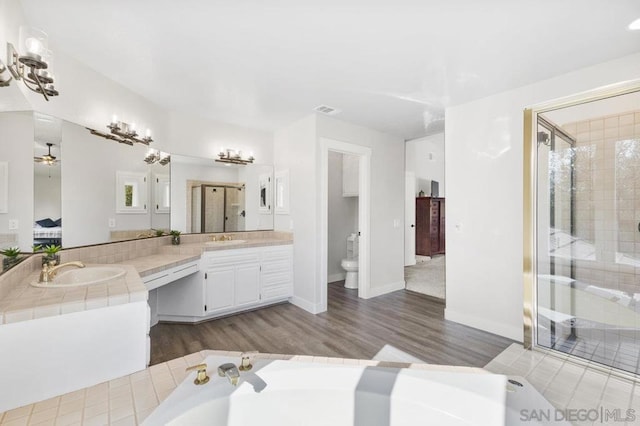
[276, 266]
[277, 292]
[276, 279]
[170, 275]
[230, 259]
[277, 253]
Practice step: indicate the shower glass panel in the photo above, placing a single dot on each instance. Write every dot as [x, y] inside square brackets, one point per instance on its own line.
[588, 231]
[217, 208]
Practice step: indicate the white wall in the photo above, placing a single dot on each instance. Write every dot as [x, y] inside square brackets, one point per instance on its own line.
[195, 136]
[387, 199]
[89, 186]
[484, 169]
[425, 157]
[295, 148]
[16, 148]
[46, 196]
[343, 219]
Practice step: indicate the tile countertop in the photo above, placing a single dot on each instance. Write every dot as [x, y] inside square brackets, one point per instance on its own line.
[148, 265]
[26, 302]
[130, 399]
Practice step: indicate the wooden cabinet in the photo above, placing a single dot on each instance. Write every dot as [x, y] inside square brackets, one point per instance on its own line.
[430, 226]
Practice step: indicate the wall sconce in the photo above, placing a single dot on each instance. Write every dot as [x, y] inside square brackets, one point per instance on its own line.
[155, 156]
[122, 132]
[231, 156]
[4, 79]
[33, 65]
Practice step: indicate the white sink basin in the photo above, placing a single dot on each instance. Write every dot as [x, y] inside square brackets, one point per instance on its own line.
[224, 243]
[75, 277]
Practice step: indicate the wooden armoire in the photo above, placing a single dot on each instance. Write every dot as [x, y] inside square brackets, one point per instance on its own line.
[430, 226]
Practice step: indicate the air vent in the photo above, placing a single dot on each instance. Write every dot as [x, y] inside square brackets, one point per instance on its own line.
[324, 109]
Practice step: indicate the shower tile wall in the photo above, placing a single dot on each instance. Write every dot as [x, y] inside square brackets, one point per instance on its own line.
[607, 200]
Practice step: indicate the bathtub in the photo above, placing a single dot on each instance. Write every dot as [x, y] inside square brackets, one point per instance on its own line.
[282, 393]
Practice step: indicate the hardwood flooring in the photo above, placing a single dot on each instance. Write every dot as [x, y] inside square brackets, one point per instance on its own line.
[351, 328]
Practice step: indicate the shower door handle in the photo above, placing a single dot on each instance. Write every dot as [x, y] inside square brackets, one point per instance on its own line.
[638, 226]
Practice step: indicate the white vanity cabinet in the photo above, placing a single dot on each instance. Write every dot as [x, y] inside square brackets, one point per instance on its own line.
[229, 281]
[232, 279]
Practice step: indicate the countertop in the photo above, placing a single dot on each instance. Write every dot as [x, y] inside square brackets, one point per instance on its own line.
[25, 302]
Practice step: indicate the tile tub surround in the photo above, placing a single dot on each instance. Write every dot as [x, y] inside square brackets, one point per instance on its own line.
[568, 385]
[130, 399]
[25, 302]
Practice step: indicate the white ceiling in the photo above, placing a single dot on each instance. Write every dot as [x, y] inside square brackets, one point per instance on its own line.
[389, 65]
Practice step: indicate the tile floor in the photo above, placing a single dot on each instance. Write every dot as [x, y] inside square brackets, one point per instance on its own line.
[568, 385]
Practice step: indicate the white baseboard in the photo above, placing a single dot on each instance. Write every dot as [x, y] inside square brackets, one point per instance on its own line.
[340, 276]
[504, 330]
[306, 305]
[387, 288]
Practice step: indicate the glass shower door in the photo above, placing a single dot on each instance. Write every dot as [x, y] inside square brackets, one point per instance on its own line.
[588, 234]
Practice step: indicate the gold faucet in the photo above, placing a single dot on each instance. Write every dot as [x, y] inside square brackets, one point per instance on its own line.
[246, 362]
[201, 376]
[49, 270]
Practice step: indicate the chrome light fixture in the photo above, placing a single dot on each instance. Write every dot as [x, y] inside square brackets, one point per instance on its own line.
[5, 80]
[32, 64]
[155, 156]
[122, 132]
[231, 156]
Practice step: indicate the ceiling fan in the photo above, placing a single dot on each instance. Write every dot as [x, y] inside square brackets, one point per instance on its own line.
[47, 159]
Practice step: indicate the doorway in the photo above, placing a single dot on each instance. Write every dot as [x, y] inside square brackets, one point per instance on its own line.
[425, 216]
[362, 159]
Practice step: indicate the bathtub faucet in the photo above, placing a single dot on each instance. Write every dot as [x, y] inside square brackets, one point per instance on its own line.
[230, 371]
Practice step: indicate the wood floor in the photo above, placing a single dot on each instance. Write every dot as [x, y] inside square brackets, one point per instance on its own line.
[351, 328]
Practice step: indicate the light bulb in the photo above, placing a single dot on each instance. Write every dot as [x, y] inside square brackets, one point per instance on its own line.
[635, 25]
[33, 45]
[148, 133]
[114, 119]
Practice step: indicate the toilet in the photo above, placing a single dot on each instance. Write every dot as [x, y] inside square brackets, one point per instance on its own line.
[350, 264]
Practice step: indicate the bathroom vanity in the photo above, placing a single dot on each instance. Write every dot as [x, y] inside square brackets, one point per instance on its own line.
[231, 279]
[64, 339]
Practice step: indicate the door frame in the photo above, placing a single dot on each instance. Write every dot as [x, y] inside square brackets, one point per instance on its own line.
[409, 218]
[364, 215]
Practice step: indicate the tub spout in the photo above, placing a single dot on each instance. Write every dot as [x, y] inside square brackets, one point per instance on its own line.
[230, 371]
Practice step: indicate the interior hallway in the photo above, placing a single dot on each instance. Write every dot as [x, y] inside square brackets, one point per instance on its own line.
[351, 328]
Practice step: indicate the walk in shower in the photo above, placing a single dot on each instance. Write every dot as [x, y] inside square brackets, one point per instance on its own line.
[217, 208]
[585, 268]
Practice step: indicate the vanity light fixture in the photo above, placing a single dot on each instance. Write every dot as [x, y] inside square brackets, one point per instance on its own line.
[33, 65]
[4, 79]
[155, 156]
[231, 156]
[122, 132]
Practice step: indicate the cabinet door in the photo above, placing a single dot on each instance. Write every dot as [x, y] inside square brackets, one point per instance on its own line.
[350, 175]
[247, 284]
[219, 289]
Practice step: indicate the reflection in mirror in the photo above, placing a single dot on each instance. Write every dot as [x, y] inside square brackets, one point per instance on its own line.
[106, 189]
[47, 183]
[208, 197]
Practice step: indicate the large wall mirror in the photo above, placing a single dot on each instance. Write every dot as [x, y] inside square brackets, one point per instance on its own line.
[60, 184]
[207, 196]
